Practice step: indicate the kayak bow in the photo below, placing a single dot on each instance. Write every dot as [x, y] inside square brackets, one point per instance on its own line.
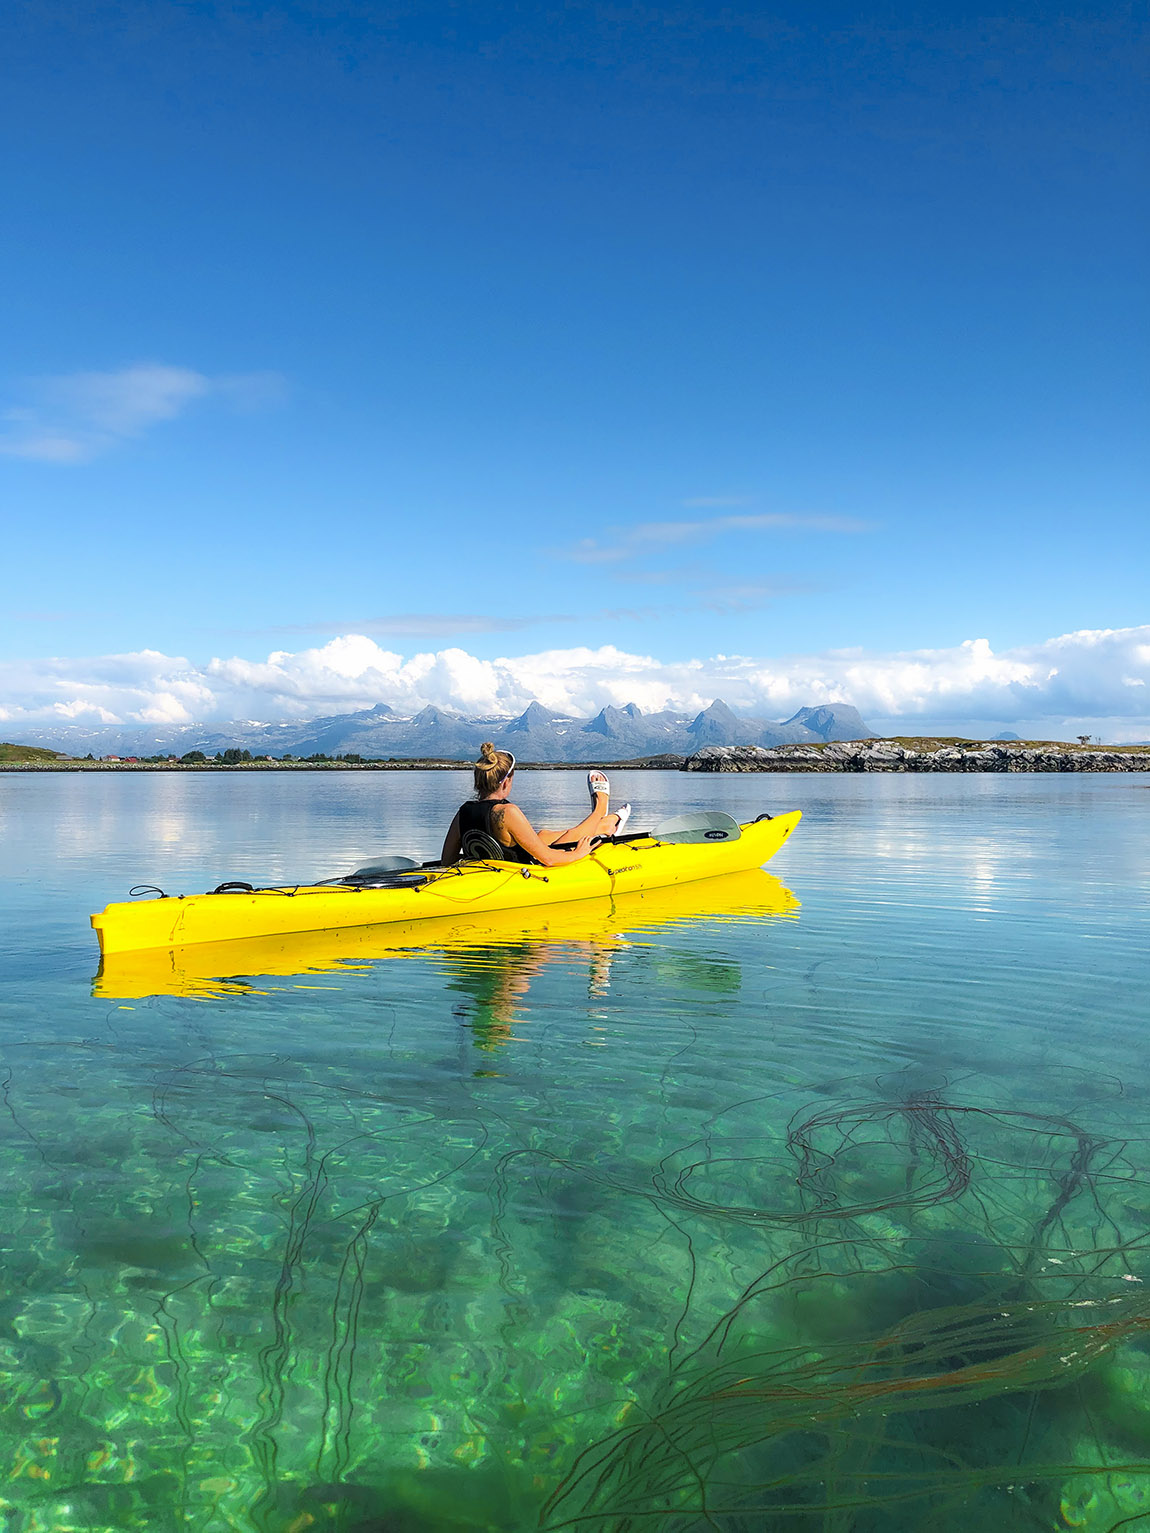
[614, 868]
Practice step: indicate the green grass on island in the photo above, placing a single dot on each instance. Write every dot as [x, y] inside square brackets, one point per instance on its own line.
[27, 753]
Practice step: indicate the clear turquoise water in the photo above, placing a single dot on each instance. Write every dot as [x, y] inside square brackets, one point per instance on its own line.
[830, 1221]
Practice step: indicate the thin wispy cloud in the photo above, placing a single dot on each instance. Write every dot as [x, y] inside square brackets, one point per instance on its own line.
[75, 417]
[422, 624]
[698, 502]
[632, 541]
[125, 403]
[434, 625]
[750, 595]
[641, 577]
[45, 617]
[716, 591]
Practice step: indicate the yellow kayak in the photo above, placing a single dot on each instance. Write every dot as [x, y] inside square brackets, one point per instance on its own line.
[210, 969]
[632, 866]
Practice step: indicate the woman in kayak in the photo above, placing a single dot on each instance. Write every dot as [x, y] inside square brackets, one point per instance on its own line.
[494, 816]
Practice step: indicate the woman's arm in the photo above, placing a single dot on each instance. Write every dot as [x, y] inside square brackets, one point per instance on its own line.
[519, 828]
[452, 842]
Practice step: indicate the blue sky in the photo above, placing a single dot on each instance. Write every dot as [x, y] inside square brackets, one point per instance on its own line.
[755, 330]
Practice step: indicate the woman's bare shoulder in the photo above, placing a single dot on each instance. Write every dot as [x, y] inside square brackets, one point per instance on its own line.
[511, 816]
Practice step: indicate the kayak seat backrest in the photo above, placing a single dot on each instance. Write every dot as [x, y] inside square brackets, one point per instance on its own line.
[385, 865]
[478, 846]
[386, 873]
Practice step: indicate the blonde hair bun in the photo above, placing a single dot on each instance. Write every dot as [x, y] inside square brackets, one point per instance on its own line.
[492, 768]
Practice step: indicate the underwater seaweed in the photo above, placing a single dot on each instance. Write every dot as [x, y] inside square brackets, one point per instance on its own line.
[776, 1412]
[279, 1293]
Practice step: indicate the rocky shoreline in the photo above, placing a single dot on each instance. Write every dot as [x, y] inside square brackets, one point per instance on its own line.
[894, 756]
[71, 765]
[662, 763]
[843, 756]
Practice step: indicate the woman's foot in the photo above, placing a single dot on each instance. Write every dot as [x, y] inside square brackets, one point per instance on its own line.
[597, 784]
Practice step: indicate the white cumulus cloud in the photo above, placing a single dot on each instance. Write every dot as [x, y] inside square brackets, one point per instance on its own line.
[1092, 675]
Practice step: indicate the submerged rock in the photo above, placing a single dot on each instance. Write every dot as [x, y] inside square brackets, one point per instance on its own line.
[403, 1501]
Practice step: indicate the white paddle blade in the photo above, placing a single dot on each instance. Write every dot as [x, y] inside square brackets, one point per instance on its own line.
[703, 826]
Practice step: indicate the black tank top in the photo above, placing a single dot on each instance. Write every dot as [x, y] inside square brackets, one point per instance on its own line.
[476, 814]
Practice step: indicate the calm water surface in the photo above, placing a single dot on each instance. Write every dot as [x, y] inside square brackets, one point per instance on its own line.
[828, 1216]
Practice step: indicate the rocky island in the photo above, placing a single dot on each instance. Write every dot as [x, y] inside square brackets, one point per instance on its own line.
[921, 755]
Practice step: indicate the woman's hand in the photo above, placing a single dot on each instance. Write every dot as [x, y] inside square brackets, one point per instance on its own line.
[581, 849]
[551, 857]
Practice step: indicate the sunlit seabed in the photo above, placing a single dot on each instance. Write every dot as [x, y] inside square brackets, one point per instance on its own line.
[830, 1216]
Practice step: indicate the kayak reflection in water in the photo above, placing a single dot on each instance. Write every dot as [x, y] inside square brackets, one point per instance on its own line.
[492, 826]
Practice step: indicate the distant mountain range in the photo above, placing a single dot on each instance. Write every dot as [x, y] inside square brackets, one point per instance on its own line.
[614, 734]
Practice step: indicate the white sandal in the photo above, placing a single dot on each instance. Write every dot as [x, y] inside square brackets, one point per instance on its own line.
[624, 814]
[597, 783]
